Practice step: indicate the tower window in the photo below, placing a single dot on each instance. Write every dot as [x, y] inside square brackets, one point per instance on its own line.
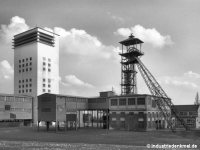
[30, 85]
[30, 63]
[26, 80]
[30, 90]
[26, 69]
[19, 66]
[22, 81]
[26, 85]
[30, 58]
[30, 69]
[26, 59]
[19, 71]
[22, 86]
[19, 86]
[23, 60]
[26, 64]
[30, 79]
[23, 65]
[19, 61]
[19, 81]
[19, 91]
[26, 90]
[22, 70]
[22, 91]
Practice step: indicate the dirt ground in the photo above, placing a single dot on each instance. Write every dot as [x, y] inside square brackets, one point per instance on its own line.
[97, 138]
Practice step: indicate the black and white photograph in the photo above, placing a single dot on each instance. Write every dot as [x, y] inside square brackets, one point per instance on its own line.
[99, 74]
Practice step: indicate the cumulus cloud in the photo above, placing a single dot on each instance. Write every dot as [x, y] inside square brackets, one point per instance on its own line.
[6, 70]
[151, 36]
[189, 80]
[16, 26]
[80, 42]
[72, 80]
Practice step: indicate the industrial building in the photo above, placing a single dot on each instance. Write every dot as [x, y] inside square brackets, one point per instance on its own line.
[15, 110]
[191, 115]
[36, 75]
[129, 112]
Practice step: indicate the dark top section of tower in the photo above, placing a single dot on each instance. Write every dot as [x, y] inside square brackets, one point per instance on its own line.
[131, 41]
[34, 35]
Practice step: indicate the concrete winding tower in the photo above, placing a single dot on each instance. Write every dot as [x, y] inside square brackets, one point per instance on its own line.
[131, 48]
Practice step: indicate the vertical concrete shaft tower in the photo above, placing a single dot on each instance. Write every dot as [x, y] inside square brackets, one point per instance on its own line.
[36, 70]
[131, 48]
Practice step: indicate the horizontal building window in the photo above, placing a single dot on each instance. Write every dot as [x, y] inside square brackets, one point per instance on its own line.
[44, 80]
[19, 81]
[26, 59]
[44, 69]
[19, 99]
[49, 59]
[26, 80]
[19, 66]
[141, 115]
[26, 69]
[30, 63]
[7, 107]
[49, 70]
[141, 101]
[19, 61]
[19, 71]
[30, 69]
[131, 101]
[30, 90]
[43, 90]
[46, 99]
[49, 80]
[26, 64]
[30, 85]
[49, 85]
[49, 91]
[30, 58]
[22, 60]
[30, 79]
[49, 65]
[122, 102]
[23, 65]
[44, 63]
[113, 102]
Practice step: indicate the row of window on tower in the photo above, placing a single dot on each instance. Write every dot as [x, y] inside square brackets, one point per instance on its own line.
[25, 65]
[48, 85]
[25, 83]
[46, 63]
[23, 60]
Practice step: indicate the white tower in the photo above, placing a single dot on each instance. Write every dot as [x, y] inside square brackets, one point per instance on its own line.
[36, 69]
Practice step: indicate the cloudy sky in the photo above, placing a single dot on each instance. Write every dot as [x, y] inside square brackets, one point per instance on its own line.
[90, 32]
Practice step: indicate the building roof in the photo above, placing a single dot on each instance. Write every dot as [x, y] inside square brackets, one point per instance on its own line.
[15, 95]
[36, 28]
[187, 107]
[131, 41]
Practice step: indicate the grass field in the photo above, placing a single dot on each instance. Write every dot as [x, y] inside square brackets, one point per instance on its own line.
[11, 138]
